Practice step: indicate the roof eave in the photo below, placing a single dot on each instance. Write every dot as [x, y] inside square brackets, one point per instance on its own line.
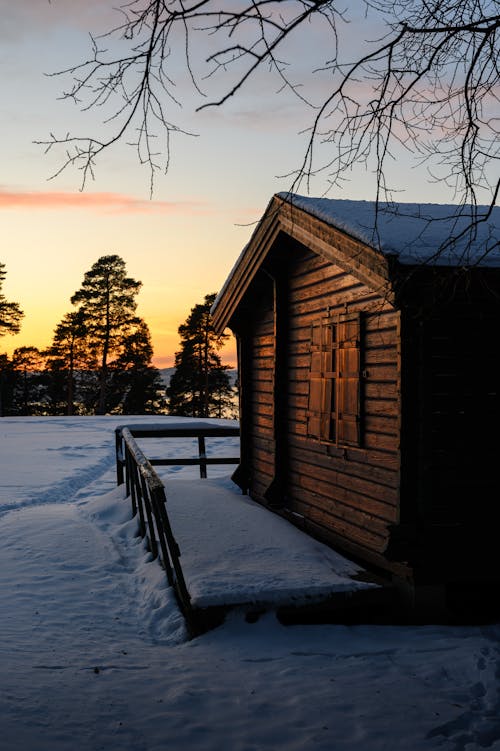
[367, 264]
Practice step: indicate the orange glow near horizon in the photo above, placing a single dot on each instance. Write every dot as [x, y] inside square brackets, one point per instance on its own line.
[178, 258]
[36, 331]
[227, 353]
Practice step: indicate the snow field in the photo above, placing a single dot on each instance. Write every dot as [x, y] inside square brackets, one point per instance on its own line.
[93, 652]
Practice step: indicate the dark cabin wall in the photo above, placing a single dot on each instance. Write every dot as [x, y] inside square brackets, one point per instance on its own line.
[450, 439]
[460, 397]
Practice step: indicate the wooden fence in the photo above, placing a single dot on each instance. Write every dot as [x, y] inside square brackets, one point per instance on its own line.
[148, 496]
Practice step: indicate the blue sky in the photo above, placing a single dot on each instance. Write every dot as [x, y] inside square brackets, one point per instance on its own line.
[183, 242]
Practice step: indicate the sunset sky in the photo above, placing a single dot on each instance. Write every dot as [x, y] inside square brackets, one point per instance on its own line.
[183, 242]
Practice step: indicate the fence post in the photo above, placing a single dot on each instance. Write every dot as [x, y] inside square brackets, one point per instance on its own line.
[157, 498]
[203, 455]
[130, 490]
[146, 495]
[119, 456]
[137, 500]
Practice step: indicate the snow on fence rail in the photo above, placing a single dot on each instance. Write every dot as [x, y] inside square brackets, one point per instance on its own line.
[148, 495]
[199, 430]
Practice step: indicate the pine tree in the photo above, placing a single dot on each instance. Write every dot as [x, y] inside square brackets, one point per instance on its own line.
[200, 385]
[7, 385]
[10, 312]
[135, 382]
[67, 354]
[106, 300]
[28, 363]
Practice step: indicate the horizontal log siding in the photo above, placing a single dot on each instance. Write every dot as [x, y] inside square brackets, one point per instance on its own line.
[353, 493]
[260, 419]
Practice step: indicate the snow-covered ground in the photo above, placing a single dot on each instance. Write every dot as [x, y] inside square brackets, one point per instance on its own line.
[93, 651]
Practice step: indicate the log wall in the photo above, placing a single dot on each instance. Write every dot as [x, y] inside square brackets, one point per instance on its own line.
[350, 493]
[258, 350]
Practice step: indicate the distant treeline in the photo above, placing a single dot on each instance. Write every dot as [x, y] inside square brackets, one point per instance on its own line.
[30, 384]
[100, 358]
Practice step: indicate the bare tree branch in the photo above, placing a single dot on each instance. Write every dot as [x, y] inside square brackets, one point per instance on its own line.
[430, 85]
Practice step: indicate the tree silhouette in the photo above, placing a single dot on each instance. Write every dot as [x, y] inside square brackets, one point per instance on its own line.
[107, 305]
[7, 384]
[200, 385]
[135, 383]
[68, 352]
[427, 85]
[28, 362]
[10, 312]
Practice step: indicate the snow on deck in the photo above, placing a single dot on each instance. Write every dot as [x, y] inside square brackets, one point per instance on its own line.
[234, 551]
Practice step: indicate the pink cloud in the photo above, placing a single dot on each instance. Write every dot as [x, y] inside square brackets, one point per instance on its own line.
[111, 202]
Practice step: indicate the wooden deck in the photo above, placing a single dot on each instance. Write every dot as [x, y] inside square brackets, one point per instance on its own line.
[240, 555]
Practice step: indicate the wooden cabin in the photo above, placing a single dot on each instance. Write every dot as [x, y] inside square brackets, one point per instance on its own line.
[369, 386]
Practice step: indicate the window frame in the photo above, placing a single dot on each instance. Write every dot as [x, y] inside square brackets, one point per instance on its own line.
[334, 398]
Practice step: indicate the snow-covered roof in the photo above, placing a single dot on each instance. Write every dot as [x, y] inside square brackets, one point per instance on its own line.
[416, 233]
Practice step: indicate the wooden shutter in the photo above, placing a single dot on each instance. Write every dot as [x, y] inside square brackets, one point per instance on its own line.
[321, 382]
[348, 381]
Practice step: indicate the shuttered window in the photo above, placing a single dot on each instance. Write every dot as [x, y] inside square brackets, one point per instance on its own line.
[334, 409]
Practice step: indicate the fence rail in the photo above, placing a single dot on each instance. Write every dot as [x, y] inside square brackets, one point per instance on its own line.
[201, 433]
[148, 496]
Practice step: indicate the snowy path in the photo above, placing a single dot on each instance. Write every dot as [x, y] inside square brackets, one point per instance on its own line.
[59, 599]
[70, 615]
[93, 654]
